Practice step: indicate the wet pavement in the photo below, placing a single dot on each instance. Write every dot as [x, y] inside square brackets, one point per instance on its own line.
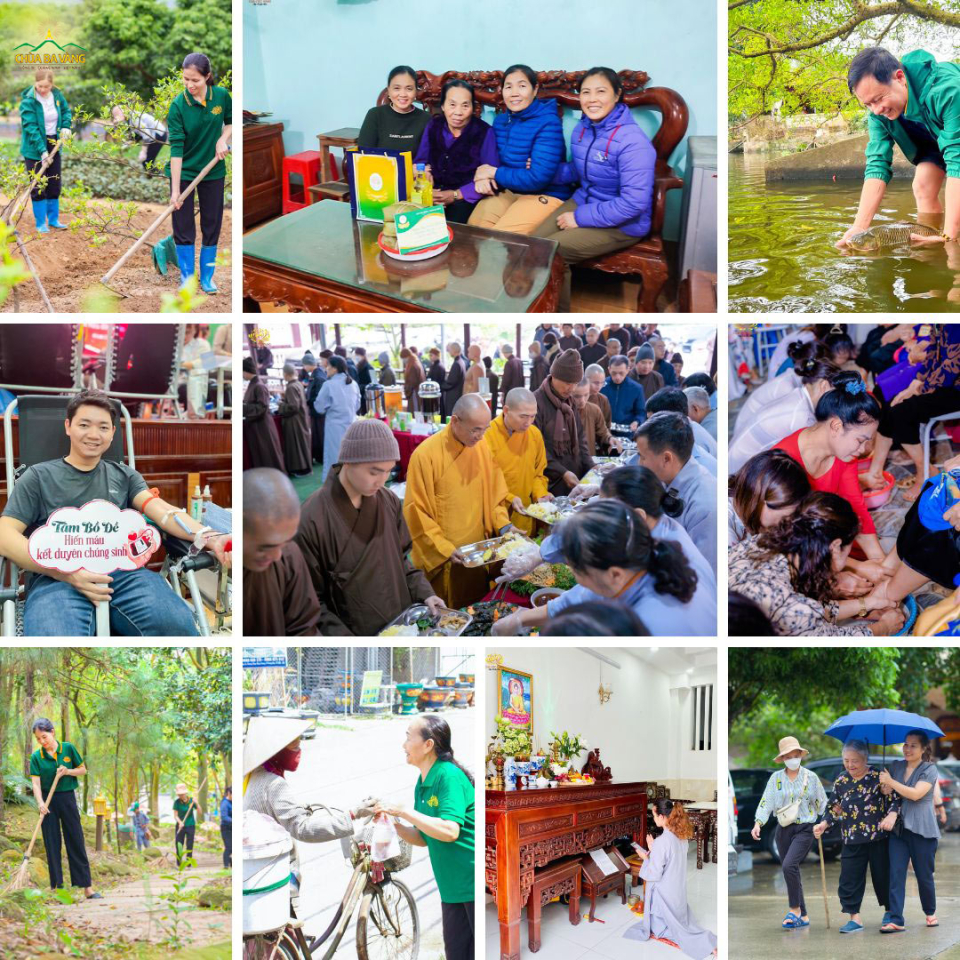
[758, 901]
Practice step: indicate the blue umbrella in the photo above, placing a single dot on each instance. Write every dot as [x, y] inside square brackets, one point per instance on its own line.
[881, 726]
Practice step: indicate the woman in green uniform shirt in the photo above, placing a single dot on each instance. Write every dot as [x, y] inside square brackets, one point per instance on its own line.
[199, 127]
[44, 116]
[442, 820]
[62, 817]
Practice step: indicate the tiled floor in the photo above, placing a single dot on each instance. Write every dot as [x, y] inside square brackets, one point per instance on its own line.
[605, 941]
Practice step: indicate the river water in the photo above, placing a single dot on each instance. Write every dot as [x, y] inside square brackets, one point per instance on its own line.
[782, 256]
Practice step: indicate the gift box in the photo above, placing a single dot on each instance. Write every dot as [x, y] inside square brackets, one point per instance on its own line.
[378, 178]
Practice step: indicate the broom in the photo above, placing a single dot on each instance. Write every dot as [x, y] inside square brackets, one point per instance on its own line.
[19, 880]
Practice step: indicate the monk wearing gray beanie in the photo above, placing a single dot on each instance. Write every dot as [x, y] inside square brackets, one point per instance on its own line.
[568, 458]
[644, 373]
[356, 541]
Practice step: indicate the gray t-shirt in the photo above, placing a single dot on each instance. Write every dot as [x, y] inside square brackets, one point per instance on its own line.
[47, 486]
[918, 815]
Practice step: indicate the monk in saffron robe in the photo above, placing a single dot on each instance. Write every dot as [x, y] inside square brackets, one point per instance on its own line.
[278, 597]
[517, 446]
[259, 434]
[356, 542]
[456, 494]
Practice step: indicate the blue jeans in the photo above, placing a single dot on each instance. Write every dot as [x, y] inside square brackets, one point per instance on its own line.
[922, 851]
[142, 605]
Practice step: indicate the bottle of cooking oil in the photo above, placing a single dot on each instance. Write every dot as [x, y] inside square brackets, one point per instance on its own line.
[419, 181]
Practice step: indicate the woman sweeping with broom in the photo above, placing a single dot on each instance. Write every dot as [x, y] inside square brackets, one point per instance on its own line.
[58, 807]
[199, 126]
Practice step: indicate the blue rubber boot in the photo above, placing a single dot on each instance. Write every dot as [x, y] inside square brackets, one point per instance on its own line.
[208, 263]
[53, 214]
[185, 254]
[40, 215]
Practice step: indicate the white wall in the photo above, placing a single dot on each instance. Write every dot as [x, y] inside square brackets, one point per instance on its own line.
[565, 681]
[643, 731]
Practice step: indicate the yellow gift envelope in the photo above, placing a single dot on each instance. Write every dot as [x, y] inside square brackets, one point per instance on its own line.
[378, 180]
[421, 230]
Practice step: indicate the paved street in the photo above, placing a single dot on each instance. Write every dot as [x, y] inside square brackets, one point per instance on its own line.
[758, 902]
[350, 759]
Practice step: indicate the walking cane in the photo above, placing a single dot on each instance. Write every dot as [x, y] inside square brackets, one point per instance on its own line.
[823, 881]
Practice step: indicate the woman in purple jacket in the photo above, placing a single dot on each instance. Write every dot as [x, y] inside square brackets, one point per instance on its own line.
[455, 143]
[613, 160]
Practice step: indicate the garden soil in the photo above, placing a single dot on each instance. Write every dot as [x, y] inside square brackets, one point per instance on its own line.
[69, 266]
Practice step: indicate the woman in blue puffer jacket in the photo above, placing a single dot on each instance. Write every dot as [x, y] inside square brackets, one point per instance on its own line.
[522, 191]
[614, 162]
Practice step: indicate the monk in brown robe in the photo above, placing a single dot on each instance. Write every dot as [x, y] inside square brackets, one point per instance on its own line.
[471, 382]
[599, 439]
[597, 378]
[296, 424]
[413, 376]
[456, 494]
[559, 423]
[259, 433]
[356, 542]
[512, 370]
[278, 595]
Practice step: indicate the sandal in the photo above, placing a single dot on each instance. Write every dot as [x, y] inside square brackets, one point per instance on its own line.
[933, 922]
[791, 921]
[892, 928]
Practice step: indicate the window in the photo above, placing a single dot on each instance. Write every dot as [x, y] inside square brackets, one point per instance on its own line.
[702, 726]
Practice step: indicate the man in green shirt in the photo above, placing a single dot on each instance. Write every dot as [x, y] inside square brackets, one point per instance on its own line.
[185, 809]
[915, 104]
[61, 819]
[443, 821]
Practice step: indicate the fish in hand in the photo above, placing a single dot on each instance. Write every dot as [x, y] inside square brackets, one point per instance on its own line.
[885, 236]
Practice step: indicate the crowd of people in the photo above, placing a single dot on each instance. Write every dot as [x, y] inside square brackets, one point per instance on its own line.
[809, 446]
[309, 569]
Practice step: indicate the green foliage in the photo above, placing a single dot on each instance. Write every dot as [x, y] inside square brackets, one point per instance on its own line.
[796, 51]
[510, 741]
[12, 268]
[38, 915]
[568, 747]
[810, 678]
[185, 300]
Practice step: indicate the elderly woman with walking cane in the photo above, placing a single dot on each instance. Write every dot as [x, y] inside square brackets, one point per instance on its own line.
[864, 813]
[796, 797]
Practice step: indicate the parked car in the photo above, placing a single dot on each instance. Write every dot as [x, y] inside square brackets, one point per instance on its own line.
[749, 785]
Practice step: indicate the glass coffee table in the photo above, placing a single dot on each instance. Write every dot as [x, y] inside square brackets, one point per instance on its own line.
[319, 260]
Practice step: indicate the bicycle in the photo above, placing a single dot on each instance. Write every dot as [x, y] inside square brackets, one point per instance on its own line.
[388, 925]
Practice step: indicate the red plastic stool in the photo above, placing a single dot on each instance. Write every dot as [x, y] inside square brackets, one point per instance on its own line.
[300, 172]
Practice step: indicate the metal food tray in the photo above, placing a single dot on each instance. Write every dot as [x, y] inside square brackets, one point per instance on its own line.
[473, 552]
[412, 614]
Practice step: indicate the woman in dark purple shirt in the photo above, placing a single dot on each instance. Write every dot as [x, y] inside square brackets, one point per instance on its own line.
[455, 143]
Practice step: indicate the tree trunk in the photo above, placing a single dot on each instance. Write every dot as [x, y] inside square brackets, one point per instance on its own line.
[155, 791]
[28, 718]
[204, 790]
[116, 785]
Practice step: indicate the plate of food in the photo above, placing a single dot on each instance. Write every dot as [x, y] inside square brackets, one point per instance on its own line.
[485, 614]
[574, 779]
[547, 512]
[492, 551]
[418, 621]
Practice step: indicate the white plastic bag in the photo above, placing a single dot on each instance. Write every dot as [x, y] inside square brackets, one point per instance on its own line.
[384, 840]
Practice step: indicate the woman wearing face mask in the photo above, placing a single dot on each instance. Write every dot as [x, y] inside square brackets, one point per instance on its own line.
[200, 126]
[785, 415]
[796, 797]
[790, 571]
[861, 808]
[613, 162]
[455, 143]
[399, 123]
[847, 420]
[910, 782]
[267, 791]
[519, 191]
[44, 116]
[613, 557]
[666, 911]
[443, 821]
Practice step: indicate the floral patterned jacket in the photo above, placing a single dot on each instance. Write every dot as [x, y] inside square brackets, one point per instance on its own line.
[941, 364]
[861, 807]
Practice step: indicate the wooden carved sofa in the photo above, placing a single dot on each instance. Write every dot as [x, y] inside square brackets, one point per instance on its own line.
[647, 258]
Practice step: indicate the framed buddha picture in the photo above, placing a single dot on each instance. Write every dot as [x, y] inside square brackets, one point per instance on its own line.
[515, 697]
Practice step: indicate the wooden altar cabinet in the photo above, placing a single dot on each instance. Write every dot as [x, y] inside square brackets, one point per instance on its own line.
[526, 829]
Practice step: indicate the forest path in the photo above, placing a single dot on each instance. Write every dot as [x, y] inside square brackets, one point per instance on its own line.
[135, 910]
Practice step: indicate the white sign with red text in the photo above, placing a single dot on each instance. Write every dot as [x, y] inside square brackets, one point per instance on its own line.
[98, 537]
